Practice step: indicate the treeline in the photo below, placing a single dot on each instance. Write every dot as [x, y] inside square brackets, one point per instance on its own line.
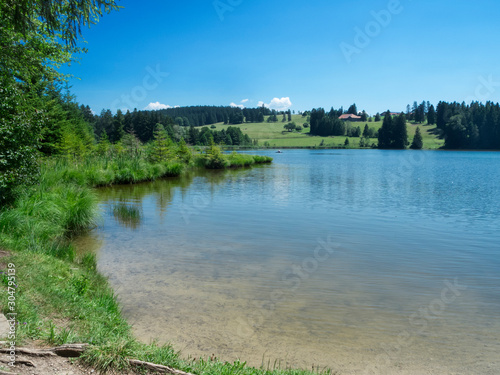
[474, 126]
[208, 115]
[178, 121]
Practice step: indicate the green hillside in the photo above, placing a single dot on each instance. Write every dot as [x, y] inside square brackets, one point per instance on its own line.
[274, 135]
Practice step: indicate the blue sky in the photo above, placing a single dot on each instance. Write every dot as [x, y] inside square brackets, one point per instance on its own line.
[291, 54]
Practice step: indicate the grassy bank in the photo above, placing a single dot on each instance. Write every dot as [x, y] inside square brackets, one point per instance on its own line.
[59, 296]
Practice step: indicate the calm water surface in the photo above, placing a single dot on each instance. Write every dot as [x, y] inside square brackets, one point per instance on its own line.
[364, 261]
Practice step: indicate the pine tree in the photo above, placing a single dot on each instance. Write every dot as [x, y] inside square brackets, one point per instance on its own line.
[366, 131]
[184, 152]
[417, 143]
[161, 146]
[364, 116]
[431, 115]
[103, 145]
[118, 127]
[385, 134]
[400, 135]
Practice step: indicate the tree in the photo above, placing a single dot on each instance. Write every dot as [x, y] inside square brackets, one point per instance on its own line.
[290, 126]
[346, 142]
[37, 37]
[417, 143]
[20, 126]
[118, 127]
[364, 116]
[289, 115]
[400, 134]
[161, 146]
[431, 115]
[352, 109]
[377, 117]
[214, 159]
[419, 115]
[366, 131]
[103, 146]
[179, 121]
[183, 151]
[385, 134]
[131, 143]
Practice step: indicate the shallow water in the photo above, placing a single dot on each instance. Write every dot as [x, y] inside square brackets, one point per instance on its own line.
[364, 261]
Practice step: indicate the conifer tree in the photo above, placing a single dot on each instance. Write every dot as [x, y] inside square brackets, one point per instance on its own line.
[385, 133]
[400, 135]
[161, 146]
[417, 143]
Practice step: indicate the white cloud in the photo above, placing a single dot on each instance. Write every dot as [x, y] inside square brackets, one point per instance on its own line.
[156, 106]
[244, 100]
[279, 104]
[237, 105]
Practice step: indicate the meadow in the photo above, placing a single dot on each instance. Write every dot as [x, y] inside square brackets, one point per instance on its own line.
[275, 136]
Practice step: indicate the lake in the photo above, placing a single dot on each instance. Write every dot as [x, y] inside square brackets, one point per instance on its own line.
[364, 261]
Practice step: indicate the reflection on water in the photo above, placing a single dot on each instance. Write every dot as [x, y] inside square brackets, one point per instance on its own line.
[352, 260]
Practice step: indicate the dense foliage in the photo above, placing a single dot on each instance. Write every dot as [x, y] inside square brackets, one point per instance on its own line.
[143, 124]
[474, 126]
[208, 115]
[36, 38]
[393, 133]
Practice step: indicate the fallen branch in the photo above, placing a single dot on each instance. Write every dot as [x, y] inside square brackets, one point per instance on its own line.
[20, 362]
[67, 351]
[70, 350]
[158, 368]
[31, 352]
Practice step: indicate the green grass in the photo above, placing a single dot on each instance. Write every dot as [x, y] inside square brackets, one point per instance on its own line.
[276, 136]
[104, 171]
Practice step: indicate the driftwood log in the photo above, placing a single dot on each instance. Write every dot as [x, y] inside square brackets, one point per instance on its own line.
[157, 368]
[67, 351]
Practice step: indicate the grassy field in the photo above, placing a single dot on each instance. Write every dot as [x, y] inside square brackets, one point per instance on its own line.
[276, 136]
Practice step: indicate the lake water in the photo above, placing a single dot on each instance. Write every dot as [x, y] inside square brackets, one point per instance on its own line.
[364, 261]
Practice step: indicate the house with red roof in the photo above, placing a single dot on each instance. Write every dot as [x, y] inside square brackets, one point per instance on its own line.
[350, 117]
